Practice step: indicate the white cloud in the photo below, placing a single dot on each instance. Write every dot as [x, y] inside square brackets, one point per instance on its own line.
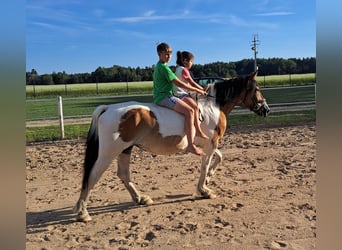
[280, 13]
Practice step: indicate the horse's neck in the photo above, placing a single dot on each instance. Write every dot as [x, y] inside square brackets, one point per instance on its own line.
[226, 109]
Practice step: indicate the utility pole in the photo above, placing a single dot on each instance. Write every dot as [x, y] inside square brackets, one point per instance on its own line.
[255, 42]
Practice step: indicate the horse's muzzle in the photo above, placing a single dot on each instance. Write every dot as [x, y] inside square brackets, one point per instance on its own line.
[261, 108]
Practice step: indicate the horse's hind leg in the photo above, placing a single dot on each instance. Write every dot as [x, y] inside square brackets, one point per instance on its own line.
[100, 166]
[124, 175]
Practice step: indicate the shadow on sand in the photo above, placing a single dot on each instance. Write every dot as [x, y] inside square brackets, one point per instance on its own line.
[38, 221]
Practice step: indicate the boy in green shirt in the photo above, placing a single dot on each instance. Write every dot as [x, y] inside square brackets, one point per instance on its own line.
[163, 77]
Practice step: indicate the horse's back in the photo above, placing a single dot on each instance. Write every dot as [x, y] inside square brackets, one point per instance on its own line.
[169, 122]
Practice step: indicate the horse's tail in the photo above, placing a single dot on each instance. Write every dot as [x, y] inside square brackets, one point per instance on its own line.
[92, 145]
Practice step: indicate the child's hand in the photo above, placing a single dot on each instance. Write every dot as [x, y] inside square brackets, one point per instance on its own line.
[202, 92]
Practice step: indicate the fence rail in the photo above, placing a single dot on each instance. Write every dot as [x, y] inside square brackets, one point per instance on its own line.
[86, 119]
[298, 101]
[47, 109]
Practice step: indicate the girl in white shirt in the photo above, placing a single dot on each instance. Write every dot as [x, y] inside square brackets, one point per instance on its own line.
[184, 63]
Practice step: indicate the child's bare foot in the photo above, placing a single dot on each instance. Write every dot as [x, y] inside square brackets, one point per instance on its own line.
[202, 135]
[193, 149]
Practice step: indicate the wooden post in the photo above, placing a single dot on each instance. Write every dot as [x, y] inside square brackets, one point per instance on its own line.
[34, 90]
[60, 115]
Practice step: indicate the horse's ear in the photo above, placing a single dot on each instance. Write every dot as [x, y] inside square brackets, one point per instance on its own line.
[253, 75]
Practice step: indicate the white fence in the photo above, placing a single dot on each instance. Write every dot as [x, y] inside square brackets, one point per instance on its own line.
[82, 119]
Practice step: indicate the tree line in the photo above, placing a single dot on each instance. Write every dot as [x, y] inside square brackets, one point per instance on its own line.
[116, 73]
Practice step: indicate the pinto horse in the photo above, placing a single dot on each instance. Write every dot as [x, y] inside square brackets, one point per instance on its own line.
[116, 128]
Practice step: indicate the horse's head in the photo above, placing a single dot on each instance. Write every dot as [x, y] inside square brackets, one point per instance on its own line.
[243, 90]
[254, 99]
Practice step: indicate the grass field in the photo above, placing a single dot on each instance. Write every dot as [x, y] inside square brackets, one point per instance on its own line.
[286, 80]
[88, 89]
[47, 108]
[130, 88]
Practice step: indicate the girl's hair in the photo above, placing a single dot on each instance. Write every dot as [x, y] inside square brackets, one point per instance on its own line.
[184, 55]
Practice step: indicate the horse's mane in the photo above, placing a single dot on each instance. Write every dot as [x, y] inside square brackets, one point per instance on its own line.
[227, 90]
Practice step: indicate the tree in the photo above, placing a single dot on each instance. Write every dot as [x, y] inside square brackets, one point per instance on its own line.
[116, 73]
[46, 79]
[32, 77]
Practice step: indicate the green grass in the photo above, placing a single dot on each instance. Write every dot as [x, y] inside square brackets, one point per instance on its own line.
[47, 108]
[285, 117]
[123, 88]
[286, 80]
[51, 133]
[289, 95]
[88, 89]
[80, 131]
[42, 109]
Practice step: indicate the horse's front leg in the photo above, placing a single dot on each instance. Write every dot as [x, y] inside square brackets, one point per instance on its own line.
[124, 175]
[213, 165]
[202, 189]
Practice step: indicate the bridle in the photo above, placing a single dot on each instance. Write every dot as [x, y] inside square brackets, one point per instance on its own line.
[251, 84]
[256, 104]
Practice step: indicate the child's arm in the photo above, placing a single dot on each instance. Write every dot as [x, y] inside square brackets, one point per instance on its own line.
[189, 87]
[194, 84]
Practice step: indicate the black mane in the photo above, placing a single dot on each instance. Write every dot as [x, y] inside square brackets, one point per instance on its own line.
[227, 90]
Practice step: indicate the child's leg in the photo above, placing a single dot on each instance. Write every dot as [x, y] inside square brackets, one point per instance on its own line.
[180, 106]
[194, 106]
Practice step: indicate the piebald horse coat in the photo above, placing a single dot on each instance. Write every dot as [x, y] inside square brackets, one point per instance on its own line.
[116, 128]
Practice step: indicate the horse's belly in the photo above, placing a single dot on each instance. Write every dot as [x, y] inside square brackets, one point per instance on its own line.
[164, 145]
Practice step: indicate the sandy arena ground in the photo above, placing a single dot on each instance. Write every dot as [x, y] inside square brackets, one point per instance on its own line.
[265, 187]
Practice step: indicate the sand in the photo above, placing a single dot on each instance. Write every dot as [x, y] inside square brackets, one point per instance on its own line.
[265, 187]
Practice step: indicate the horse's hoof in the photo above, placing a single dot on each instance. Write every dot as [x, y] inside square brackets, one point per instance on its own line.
[208, 195]
[211, 196]
[81, 217]
[145, 200]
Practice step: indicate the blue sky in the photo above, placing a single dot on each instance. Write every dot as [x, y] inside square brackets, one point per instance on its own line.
[78, 36]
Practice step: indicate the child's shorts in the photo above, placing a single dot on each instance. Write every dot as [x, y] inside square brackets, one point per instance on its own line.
[169, 102]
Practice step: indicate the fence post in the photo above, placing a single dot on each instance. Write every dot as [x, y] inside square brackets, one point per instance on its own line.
[127, 85]
[34, 90]
[264, 81]
[290, 79]
[60, 115]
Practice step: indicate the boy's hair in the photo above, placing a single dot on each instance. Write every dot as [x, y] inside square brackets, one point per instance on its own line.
[184, 55]
[162, 47]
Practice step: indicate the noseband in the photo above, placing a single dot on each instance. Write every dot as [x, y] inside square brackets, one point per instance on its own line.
[256, 104]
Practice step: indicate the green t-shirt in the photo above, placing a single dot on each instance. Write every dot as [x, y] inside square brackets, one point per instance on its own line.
[162, 82]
